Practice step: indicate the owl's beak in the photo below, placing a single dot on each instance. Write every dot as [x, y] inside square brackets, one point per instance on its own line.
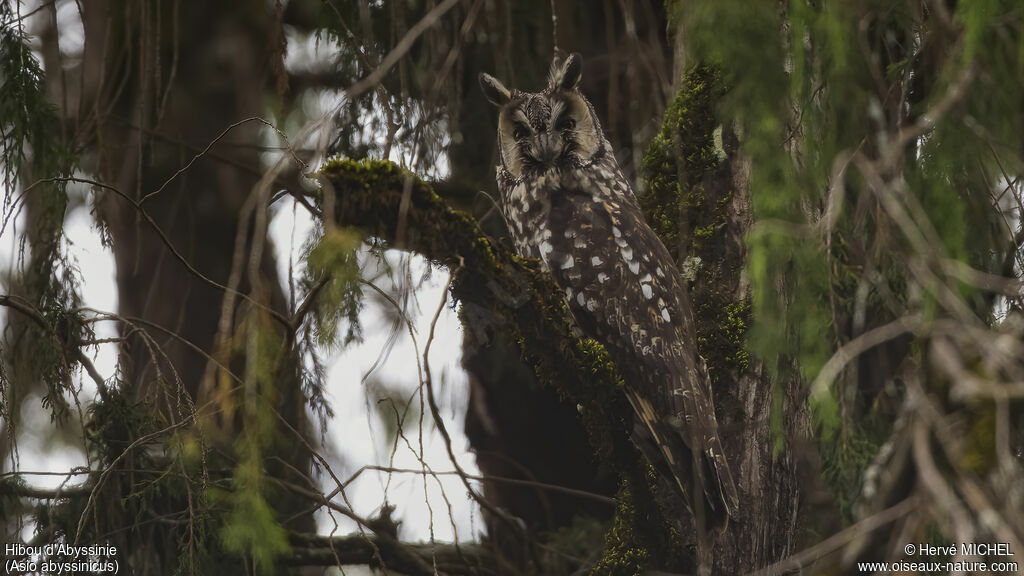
[549, 147]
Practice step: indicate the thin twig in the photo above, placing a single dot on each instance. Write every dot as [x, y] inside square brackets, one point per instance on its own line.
[399, 50]
[499, 479]
[858, 346]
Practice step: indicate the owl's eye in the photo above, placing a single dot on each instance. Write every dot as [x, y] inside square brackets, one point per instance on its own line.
[520, 132]
[566, 123]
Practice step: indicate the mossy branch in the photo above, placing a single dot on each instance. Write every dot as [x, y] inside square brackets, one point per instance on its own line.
[499, 291]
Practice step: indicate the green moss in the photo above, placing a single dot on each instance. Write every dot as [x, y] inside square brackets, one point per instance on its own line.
[369, 195]
[734, 328]
[367, 171]
[642, 536]
[600, 361]
[679, 159]
[626, 553]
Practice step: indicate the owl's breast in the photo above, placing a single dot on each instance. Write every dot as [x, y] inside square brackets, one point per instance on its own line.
[526, 206]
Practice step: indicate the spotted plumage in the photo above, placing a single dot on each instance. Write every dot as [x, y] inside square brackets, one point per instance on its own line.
[568, 204]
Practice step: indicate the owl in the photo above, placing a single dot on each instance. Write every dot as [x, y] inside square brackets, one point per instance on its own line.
[567, 204]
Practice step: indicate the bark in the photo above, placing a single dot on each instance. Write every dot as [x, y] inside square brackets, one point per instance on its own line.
[766, 459]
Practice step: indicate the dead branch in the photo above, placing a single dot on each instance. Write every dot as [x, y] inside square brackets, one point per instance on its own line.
[411, 559]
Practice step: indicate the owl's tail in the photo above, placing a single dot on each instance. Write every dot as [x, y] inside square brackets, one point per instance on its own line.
[716, 479]
[686, 449]
[693, 459]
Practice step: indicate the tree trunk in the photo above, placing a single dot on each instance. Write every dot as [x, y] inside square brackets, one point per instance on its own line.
[697, 198]
[767, 435]
[167, 80]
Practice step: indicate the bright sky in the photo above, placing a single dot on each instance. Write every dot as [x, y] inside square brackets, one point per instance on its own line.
[357, 437]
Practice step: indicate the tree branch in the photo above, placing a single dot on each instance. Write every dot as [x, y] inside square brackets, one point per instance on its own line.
[75, 352]
[411, 559]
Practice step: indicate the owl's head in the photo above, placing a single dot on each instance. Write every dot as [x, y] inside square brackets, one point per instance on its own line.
[554, 128]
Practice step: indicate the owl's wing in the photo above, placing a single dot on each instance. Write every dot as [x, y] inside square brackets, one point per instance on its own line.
[624, 290]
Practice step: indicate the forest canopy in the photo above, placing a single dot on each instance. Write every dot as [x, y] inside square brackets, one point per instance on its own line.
[262, 311]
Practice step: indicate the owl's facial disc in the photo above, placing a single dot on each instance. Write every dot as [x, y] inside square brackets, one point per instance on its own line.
[552, 129]
[546, 130]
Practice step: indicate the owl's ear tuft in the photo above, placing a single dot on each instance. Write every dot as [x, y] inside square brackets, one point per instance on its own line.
[567, 74]
[494, 90]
